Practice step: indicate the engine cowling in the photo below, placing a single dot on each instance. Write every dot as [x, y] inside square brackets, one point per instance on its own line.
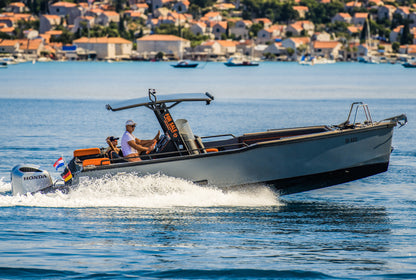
[29, 179]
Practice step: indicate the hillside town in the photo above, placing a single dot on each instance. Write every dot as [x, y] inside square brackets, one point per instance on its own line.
[360, 30]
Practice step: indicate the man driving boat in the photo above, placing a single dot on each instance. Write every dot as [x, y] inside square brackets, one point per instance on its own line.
[132, 147]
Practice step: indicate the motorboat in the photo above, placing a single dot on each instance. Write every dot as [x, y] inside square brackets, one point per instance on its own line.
[185, 64]
[409, 65]
[232, 62]
[290, 160]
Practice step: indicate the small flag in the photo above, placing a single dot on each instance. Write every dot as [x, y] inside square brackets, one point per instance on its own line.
[67, 176]
[60, 162]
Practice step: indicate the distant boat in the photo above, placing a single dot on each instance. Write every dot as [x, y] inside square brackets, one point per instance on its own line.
[3, 64]
[184, 64]
[409, 65]
[231, 62]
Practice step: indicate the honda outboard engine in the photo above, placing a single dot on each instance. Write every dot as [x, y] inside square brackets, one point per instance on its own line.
[29, 179]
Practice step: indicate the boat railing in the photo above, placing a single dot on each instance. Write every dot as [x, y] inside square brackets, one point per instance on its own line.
[217, 136]
[354, 109]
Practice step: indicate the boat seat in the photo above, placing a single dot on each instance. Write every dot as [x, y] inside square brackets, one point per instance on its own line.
[83, 154]
[96, 161]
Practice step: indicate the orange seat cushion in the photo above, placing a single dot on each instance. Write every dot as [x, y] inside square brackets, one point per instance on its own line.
[96, 161]
[86, 152]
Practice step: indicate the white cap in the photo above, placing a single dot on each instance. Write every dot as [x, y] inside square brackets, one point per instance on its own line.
[130, 122]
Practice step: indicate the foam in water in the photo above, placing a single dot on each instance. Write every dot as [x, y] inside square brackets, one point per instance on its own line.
[152, 191]
[4, 187]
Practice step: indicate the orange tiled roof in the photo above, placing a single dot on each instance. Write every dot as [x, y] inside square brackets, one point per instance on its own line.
[103, 40]
[227, 43]
[300, 40]
[325, 44]
[50, 17]
[300, 8]
[17, 4]
[361, 15]
[64, 4]
[265, 20]
[7, 29]
[355, 29]
[161, 37]
[110, 13]
[8, 43]
[26, 44]
[223, 24]
[345, 15]
[54, 32]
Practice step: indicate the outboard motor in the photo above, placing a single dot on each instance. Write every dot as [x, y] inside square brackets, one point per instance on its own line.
[29, 179]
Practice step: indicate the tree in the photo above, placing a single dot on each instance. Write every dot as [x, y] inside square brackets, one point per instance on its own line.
[159, 56]
[407, 37]
[395, 46]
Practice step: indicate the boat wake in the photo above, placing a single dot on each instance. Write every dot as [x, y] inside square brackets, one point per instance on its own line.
[152, 191]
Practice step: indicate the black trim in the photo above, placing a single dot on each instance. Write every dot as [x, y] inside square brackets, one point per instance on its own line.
[327, 179]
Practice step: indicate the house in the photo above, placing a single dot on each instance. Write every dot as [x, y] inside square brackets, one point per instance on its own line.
[269, 34]
[212, 16]
[9, 46]
[328, 49]
[106, 48]
[181, 6]
[295, 43]
[106, 17]
[198, 28]
[167, 44]
[354, 30]
[65, 10]
[209, 48]
[245, 47]
[139, 7]
[301, 28]
[31, 48]
[7, 30]
[156, 4]
[173, 18]
[394, 34]
[375, 3]
[403, 11]
[88, 21]
[341, 17]
[241, 28]
[349, 6]
[227, 47]
[222, 6]
[219, 28]
[7, 20]
[48, 22]
[94, 12]
[275, 49]
[17, 7]
[321, 36]
[385, 12]
[302, 10]
[135, 15]
[264, 21]
[359, 19]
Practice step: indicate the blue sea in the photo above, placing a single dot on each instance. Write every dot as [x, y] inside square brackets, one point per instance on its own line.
[159, 227]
